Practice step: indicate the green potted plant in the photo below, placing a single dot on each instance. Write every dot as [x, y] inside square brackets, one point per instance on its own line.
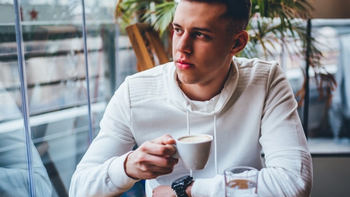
[272, 21]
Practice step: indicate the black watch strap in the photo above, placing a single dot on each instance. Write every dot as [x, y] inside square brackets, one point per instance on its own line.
[180, 185]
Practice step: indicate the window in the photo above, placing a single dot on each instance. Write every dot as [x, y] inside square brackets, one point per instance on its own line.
[328, 117]
[39, 154]
[42, 152]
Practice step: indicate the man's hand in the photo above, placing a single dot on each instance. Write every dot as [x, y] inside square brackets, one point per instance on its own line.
[152, 159]
[163, 191]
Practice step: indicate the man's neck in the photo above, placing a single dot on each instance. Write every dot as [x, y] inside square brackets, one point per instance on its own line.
[199, 92]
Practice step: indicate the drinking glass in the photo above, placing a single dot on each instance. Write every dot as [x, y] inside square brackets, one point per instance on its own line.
[241, 181]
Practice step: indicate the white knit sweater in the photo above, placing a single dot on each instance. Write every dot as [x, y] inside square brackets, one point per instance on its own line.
[255, 112]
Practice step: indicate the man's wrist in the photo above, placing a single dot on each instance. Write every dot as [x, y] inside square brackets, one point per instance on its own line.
[126, 167]
[188, 189]
[180, 186]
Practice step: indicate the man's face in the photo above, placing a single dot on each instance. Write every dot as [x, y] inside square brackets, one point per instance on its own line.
[201, 47]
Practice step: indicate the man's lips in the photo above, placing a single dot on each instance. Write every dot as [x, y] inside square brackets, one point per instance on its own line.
[183, 64]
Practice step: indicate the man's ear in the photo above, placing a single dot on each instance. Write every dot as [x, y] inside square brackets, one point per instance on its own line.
[240, 42]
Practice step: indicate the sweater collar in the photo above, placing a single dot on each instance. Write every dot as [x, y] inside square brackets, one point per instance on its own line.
[210, 107]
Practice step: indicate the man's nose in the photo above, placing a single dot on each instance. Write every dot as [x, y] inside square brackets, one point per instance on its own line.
[184, 44]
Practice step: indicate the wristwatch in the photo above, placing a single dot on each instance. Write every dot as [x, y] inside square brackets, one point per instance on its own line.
[179, 185]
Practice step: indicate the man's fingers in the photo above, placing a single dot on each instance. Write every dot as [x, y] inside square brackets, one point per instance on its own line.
[158, 149]
[165, 139]
[152, 158]
[158, 154]
[153, 166]
[141, 164]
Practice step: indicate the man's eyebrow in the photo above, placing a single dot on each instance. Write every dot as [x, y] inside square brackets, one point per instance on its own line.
[202, 29]
[177, 25]
[196, 28]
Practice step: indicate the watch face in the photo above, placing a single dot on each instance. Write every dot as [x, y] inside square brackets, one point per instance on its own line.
[182, 181]
[188, 180]
[180, 185]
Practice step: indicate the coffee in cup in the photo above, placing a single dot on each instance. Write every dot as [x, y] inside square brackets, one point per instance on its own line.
[195, 138]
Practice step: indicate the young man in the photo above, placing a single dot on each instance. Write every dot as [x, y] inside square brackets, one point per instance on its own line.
[246, 104]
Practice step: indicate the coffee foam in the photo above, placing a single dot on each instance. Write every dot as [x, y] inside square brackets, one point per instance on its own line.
[195, 138]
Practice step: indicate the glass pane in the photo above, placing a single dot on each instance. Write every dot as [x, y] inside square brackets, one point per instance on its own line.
[102, 42]
[101, 35]
[13, 160]
[329, 112]
[57, 83]
[56, 87]
[14, 171]
[329, 115]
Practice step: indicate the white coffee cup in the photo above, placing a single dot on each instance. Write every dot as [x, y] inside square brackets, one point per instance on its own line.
[194, 150]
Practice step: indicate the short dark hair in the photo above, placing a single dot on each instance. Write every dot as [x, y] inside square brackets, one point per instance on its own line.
[237, 13]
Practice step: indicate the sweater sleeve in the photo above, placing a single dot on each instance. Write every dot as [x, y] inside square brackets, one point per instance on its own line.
[101, 170]
[288, 170]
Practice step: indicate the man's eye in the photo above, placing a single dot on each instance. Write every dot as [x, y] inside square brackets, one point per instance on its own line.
[199, 34]
[177, 30]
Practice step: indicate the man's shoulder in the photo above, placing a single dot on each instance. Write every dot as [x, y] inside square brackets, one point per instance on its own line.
[151, 73]
[256, 67]
[148, 77]
[254, 62]
[255, 71]
[149, 83]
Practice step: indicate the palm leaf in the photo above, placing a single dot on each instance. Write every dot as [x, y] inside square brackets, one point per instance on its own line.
[164, 14]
